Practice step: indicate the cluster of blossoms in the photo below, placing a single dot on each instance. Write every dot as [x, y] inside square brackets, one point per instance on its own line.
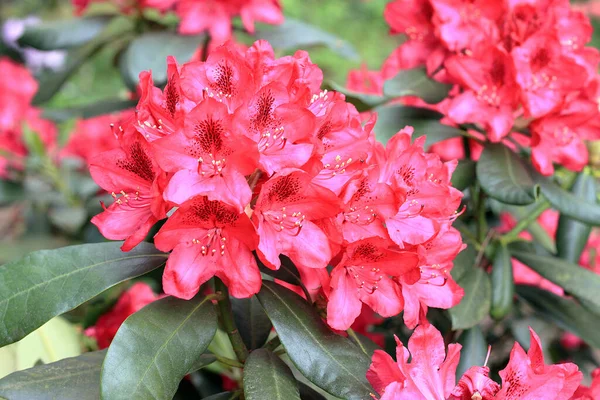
[431, 374]
[16, 114]
[197, 16]
[520, 69]
[260, 163]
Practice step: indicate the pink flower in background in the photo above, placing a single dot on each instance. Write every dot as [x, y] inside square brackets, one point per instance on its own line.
[93, 136]
[131, 301]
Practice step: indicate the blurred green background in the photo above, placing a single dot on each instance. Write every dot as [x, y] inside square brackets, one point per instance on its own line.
[360, 22]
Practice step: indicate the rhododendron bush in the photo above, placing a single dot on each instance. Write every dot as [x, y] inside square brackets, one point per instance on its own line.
[233, 223]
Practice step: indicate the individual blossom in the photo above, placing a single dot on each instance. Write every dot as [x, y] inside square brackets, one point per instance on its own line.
[209, 238]
[592, 392]
[93, 136]
[215, 16]
[527, 377]
[136, 182]
[367, 274]
[430, 374]
[475, 384]
[131, 301]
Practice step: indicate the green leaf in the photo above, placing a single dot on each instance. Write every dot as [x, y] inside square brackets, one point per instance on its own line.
[392, 118]
[473, 352]
[294, 34]
[149, 52]
[504, 177]
[464, 262]
[308, 393]
[503, 285]
[475, 305]
[572, 235]
[567, 203]
[267, 377]
[464, 174]
[156, 347]
[287, 272]
[53, 341]
[203, 361]
[362, 102]
[58, 35]
[416, 82]
[541, 236]
[328, 360]
[252, 321]
[11, 191]
[564, 312]
[76, 378]
[576, 280]
[89, 111]
[222, 396]
[47, 283]
[365, 344]
[33, 142]
[51, 82]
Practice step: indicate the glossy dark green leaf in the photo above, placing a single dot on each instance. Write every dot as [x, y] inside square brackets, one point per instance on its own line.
[464, 174]
[287, 272]
[149, 52]
[294, 34]
[464, 262]
[308, 393]
[267, 377]
[392, 118]
[503, 285]
[473, 352]
[89, 111]
[541, 236]
[416, 82]
[56, 35]
[365, 344]
[362, 102]
[577, 281]
[156, 347]
[222, 396]
[76, 378]
[328, 360]
[475, 305]
[47, 283]
[572, 235]
[567, 203]
[203, 361]
[504, 177]
[252, 321]
[564, 312]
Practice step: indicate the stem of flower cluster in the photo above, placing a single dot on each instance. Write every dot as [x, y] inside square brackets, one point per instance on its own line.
[273, 344]
[228, 361]
[229, 324]
[513, 234]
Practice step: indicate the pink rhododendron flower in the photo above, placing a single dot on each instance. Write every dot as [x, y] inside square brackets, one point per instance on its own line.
[527, 377]
[592, 392]
[131, 301]
[17, 114]
[430, 374]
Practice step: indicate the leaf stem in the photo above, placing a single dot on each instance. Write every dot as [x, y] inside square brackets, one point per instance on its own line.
[226, 316]
[513, 234]
[273, 344]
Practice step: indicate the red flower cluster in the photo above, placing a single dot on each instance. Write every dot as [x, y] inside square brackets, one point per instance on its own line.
[16, 114]
[89, 137]
[520, 68]
[256, 158]
[131, 301]
[197, 16]
[430, 374]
